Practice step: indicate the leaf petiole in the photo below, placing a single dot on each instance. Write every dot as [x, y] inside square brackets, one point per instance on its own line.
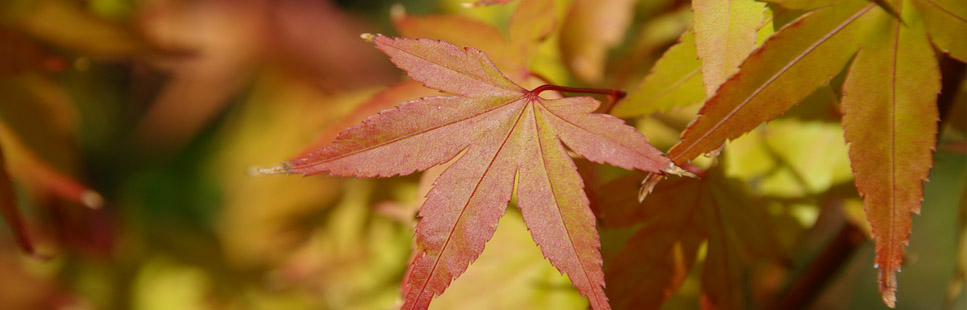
[613, 94]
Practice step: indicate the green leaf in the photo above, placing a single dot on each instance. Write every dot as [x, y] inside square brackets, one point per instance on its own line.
[786, 69]
[946, 22]
[674, 81]
[725, 33]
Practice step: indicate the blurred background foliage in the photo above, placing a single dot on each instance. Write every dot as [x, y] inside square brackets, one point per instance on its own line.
[128, 126]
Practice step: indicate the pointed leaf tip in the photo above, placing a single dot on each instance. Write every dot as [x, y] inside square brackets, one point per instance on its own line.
[504, 133]
[368, 37]
[648, 185]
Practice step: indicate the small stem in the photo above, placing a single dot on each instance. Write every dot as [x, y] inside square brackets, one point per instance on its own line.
[616, 94]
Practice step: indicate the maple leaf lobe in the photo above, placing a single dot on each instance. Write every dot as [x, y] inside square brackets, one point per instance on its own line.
[500, 132]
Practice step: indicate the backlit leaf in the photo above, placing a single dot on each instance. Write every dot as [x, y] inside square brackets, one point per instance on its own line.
[739, 233]
[946, 22]
[656, 259]
[384, 100]
[514, 275]
[725, 33]
[786, 69]
[892, 82]
[674, 81]
[530, 24]
[681, 215]
[461, 31]
[890, 119]
[500, 131]
[533, 21]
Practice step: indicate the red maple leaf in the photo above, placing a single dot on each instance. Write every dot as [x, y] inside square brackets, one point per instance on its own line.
[503, 134]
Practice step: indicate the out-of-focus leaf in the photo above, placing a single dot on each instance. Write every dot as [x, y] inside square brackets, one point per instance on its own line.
[462, 31]
[530, 24]
[485, 2]
[384, 100]
[675, 81]
[739, 232]
[352, 260]
[319, 40]
[162, 284]
[42, 113]
[655, 261]
[514, 275]
[651, 40]
[407, 212]
[676, 218]
[200, 85]
[314, 39]
[590, 29]
[21, 55]
[261, 217]
[815, 151]
[22, 288]
[8, 207]
[68, 25]
[956, 286]
[725, 33]
[890, 120]
[41, 176]
[946, 22]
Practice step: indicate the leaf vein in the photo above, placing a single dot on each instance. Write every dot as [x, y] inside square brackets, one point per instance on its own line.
[473, 193]
[404, 137]
[560, 213]
[775, 76]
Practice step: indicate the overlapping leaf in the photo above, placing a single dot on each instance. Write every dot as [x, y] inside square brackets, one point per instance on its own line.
[41, 176]
[500, 131]
[532, 21]
[675, 80]
[654, 262]
[782, 72]
[890, 119]
[889, 94]
[589, 30]
[676, 220]
[946, 22]
[8, 207]
[725, 33]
